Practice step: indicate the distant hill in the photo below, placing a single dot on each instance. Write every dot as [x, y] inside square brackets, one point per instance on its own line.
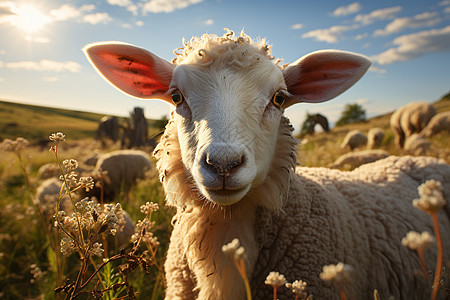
[38, 122]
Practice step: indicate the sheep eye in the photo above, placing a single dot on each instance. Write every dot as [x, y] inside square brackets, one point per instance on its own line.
[278, 99]
[177, 97]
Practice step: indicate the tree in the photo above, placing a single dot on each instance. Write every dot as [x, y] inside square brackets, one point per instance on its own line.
[353, 113]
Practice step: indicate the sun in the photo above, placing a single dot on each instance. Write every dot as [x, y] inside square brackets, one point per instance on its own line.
[29, 19]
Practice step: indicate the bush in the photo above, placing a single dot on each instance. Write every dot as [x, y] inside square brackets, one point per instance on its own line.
[353, 113]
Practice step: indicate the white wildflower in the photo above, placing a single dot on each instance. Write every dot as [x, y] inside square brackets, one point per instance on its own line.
[149, 207]
[339, 273]
[415, 240]
[67, 246]
[234, 249]
[70, 165]
[298, 287]
[57, 137]
[97, 249]
[431, 197]
[275, 279]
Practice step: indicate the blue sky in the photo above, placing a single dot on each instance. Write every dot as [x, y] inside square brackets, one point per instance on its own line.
[41, 61]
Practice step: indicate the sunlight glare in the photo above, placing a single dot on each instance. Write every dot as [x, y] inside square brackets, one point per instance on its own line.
[29, 19]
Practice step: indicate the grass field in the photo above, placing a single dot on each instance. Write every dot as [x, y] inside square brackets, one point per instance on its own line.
[29, 243]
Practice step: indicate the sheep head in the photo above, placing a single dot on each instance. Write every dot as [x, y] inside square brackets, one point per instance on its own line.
[228, 96]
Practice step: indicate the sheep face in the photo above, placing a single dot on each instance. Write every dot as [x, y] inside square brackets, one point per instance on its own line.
[228, 125]
[228, 97]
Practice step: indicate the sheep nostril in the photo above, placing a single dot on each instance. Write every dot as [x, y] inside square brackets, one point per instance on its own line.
[223, 167]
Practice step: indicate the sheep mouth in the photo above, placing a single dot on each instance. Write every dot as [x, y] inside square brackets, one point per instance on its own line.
[226, 196]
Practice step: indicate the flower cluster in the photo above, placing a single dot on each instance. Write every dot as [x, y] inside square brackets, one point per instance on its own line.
[90, 218]
[14, 146]
[275, 279]
[234, 249]
[71, 178]
[149, 207]
[57, 137]
[298, 287]
[415, 240]
[36, 272]
[431, 197]
[339, 273]
[143, 229]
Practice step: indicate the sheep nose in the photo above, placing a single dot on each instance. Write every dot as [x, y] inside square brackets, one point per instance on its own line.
[223, 165]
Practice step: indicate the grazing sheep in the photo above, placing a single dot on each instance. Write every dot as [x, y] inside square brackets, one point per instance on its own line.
[123, 168]
[410, 118]
[375, 137]
[227, 163]
[417, 145]
[47, 194]
[356, 159]
[440, 122]
[48, 170]
[354, 139]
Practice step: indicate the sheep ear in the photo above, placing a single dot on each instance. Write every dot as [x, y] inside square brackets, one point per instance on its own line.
[131, 69]
[323, 75]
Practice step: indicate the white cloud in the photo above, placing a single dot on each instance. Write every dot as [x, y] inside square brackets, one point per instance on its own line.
[2, 79]
[414, 45]
[362, 101]
[167, 6]
[329, 35]
[347, 10]
[376, 69]
[97, 18]
[67, 11]
[361, 36]
[6, 9]
[125, 3]
[426, 19]
[126, 25]
[444, 3]
[50, 78]
[447, 10]
[139, 23]
[45, 65]
[297, 26]
[208, 22]
[379, 14]
[37, 39]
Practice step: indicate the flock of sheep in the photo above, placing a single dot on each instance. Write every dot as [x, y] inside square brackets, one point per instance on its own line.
[228, 164]
[411, 124]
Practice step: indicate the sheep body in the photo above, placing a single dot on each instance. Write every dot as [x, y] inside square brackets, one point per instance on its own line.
[354, 139]
[227, 163]
[356, 159]
[410, 118]
[440, 122]
[416, 144]
[375, 137]
[124, 168]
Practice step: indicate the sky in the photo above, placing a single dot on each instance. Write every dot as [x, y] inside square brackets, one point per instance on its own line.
[41, 62]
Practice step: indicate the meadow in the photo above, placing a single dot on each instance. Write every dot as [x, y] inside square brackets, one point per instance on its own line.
[31, 265]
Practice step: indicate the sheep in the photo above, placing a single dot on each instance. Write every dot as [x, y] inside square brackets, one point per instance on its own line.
[48, 170]
[417, 145]
[356, 159]
[354, 139]
[118, 171]
[375, 137]
[410, 118]
[440, 122]
[227, 162]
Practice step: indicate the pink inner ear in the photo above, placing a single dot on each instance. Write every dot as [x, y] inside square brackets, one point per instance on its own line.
[321, 82]
[131, 69]
[323, 75]
[132, 76]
